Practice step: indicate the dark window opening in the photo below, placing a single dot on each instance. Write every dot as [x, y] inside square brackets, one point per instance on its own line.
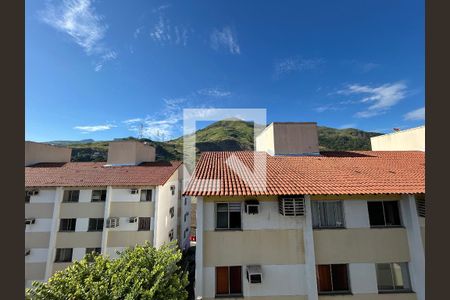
[96, 224]
[71, 196]
[144, 223]
[98, 196]
[146, 195]
[384, 213]
[228, 216]
[67, 224]
[63, 255]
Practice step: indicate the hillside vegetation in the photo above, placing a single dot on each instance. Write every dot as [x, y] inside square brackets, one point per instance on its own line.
[221, 136]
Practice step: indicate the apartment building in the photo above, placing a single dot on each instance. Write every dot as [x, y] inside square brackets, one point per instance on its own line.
[74, 208]
[317, 225]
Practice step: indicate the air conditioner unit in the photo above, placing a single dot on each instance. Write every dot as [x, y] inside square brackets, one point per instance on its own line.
[27, 251]
[30, 221]
[134, 191]
[252, 206]
[132, 219]
[112, 222]
[32, 193]
[254, 274]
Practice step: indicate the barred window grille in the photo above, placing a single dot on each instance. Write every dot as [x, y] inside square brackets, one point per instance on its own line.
[112, 222]
[420, 204]
[292, 206]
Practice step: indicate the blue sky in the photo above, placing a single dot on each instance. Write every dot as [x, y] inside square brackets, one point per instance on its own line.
[102, 69]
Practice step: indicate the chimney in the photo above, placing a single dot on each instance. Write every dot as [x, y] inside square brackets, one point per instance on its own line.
[45, 153]
[129, 153]
[289, 138]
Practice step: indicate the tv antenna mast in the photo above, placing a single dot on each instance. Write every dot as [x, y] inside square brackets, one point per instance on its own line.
[141, 131]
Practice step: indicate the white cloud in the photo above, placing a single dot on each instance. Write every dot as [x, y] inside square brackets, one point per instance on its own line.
[225, 38]
[94, 128]
[214, 92]
[326, 107]
[415, 115]
[79, 20]
[381, 98]
[162, 32]
[132, 121]
[294, 64]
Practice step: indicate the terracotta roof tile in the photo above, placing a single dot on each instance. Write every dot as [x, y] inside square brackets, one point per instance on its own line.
[346, 172]
[82, 174]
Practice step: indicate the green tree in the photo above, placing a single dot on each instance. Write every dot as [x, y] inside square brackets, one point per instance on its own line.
[142, 272]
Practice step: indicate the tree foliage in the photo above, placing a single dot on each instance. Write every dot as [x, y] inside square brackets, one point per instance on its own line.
[142, 272]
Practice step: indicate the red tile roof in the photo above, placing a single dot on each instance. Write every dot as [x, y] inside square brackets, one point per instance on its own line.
[82, 174]
[353, 172]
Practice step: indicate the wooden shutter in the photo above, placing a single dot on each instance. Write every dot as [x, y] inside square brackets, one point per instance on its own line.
[324, 278]
[235, 280]
[222, 280]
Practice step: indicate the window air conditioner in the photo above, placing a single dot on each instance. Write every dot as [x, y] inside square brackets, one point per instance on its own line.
[134, 191]
[132, 220]
[30, 221]
[252, 206]
[254, 274]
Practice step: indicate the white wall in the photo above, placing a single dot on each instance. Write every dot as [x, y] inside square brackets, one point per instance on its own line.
[356, 214]
[267, 218]
[40, 225]
[82, 224]
[278, 280]
[363, 278]
[124, 195]
[37, 255]
[85, 196]
[78, 253]
[112, 251]
[44, 196]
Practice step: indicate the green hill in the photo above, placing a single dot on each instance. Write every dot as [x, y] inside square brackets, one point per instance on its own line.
[221, 136]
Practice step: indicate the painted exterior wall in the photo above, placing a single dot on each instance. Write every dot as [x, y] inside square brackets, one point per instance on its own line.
[39, 152]
[43, 237]
[129, 153]
[280, 245]
[409, 139]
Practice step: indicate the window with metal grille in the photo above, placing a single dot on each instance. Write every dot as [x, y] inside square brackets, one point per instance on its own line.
[393, 277]
[67, 224]
[112, 222]
[228, 216]
[327, 214]
[71, 196]
[95, 224]
[171, 235]
[146, 195]
[98, 196]
[332, 279]
[291, 206]
[63, 255]
[144, 223]
[420, 205]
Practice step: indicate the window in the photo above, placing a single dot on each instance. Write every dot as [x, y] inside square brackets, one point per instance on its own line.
[92, 252]
[27, 251]
[67, 224]
[146, 195]
[332, 279]
[171, 235]
[134, 191]
[112, 222]
[172, 212]
[186, 216]
[98, 196]
[291, 206]
[393, 277]
[185, 201]
[384, 214]
[420, 205]
[30, 193]
[186, 233]
[95, 224]
[71, 196]
[172, 189]
[327, 214]
[252, 207]
[228, 216]
[63, 255]
[229, 281]
[144, 223]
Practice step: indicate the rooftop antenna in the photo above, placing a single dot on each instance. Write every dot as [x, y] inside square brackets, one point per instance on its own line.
[141, 131]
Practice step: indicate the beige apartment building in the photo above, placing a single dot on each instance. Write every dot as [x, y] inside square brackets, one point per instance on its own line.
[311, 225]
[74, 208]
